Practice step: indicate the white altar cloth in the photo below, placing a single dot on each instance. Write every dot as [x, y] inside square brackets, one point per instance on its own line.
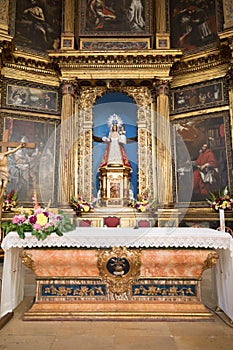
[182, 237]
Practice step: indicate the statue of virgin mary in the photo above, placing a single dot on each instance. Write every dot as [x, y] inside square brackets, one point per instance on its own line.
[115, 154]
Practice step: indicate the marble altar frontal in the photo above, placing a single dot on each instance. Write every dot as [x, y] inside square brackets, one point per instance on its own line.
[118, 283]
[107, 274]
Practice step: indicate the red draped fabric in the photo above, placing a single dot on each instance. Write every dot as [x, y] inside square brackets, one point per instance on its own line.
[104, 160]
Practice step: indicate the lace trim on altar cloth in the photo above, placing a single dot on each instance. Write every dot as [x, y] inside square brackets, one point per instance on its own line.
[128, 237]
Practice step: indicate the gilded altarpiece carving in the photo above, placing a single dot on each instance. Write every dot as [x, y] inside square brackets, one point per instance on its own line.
[84, 154]
[4, 14]
[228, 14]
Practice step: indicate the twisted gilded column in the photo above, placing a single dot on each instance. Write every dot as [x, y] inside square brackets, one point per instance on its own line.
[66, 159]
[163, 135]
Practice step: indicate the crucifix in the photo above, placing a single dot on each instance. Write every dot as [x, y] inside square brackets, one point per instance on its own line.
[4, 173]
[5, 143]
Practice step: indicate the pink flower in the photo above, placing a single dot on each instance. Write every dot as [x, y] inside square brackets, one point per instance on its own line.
[37, 227]
[19, 219]
[56, 219]
[38, 210]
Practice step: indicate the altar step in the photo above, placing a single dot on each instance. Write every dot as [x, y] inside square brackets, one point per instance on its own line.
[118, 311]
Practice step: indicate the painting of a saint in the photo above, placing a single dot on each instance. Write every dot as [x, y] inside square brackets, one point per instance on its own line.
[106, 17]
[38, 24]
[201, 158]
[32, 98]
[193, 24]
[31, 169]
[99, 13]
[205, 171]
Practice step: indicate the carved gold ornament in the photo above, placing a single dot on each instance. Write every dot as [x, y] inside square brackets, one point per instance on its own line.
[119, 268]
[28, 261]
[210, 261]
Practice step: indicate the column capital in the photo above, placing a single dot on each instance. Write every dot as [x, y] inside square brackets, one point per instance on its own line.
[161, 86]
[69, 87]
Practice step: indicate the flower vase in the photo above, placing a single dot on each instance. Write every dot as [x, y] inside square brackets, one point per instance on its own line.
[222, 219]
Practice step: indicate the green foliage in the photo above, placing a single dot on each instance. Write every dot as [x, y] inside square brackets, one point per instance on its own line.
[65, 224]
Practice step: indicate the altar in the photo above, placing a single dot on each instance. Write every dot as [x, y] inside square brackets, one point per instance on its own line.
[118, 274]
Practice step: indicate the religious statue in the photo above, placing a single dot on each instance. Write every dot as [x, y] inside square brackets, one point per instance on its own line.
[115, 167]
[4, 173]
[115, 154]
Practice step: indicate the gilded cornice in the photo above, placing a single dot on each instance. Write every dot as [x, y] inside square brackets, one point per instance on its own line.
[212, 59]
[20, 65]
[206, 111]
[133, 64]
[5, 37]
[214, 63]
[12, 71]
[226, 34]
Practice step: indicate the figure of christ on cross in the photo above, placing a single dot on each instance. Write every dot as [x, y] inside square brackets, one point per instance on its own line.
[4, 172]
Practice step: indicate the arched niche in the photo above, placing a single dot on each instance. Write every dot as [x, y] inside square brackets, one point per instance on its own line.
[124, 106]
[102, 99]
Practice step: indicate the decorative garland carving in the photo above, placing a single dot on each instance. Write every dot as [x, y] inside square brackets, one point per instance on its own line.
[148, 59]
[88, 97]
[87, 165]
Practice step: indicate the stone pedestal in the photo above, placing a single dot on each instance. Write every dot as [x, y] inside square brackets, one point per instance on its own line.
[114, 185]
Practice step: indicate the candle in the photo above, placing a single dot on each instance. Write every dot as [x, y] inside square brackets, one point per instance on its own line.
[222, 219]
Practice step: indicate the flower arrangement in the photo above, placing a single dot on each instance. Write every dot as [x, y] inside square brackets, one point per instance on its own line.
[40, 222]
[80, 204]
[142, 203]
[221, 201]
[10, 201]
